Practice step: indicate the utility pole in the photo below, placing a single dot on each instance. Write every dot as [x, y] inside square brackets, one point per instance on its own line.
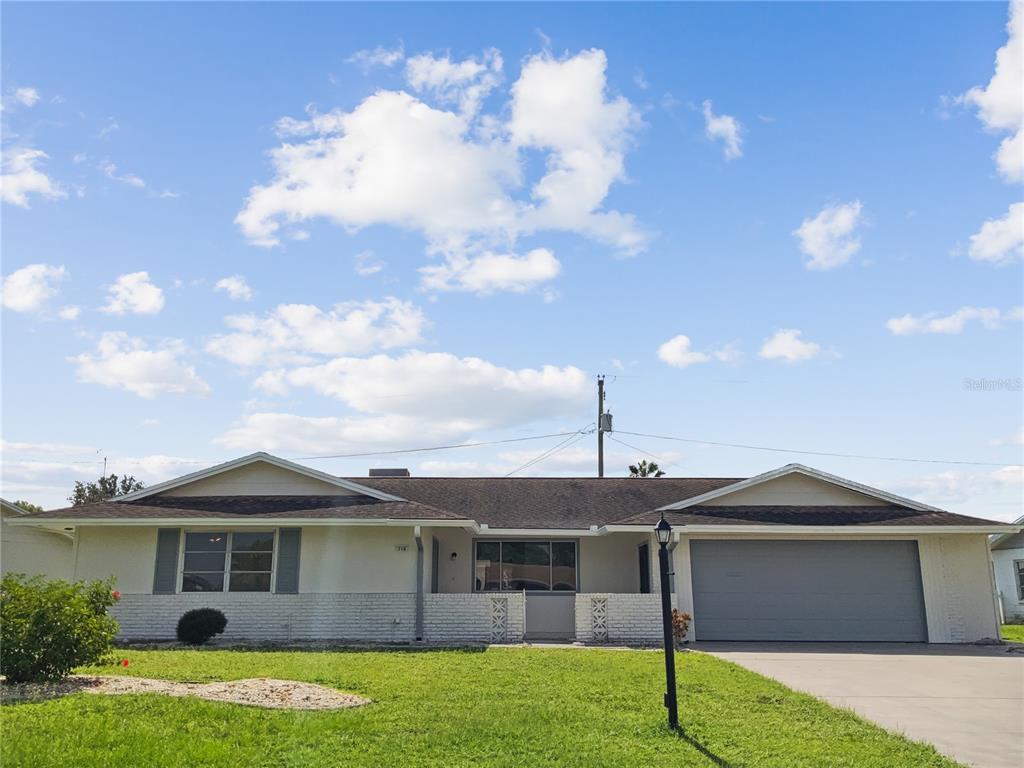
[600, 425]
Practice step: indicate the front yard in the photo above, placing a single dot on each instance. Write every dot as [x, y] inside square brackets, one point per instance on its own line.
[1013, 633]
[500, 707]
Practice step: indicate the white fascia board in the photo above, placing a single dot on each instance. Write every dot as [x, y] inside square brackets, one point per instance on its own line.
[248, 522]
[251, 459]
[800, 469]
[542, 532]
[828, 530]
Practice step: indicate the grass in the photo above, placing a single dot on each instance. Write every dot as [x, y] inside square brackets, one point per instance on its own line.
[1014, 632]
[500, 707]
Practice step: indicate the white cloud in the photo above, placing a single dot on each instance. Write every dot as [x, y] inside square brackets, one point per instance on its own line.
[293, 332]
[1016, 438]
[787, 345]
[134, 293]
[110, 171]
[1000, 241]
[957, 486]
[458, 178]
[989, 317]
[380, 56]
[366, 264]
[1001, 103]
[829, 239]
[69, 312]
[415, 398]
[726, 129]
[27, 289]
[21, 178]
[123, 362]
[465, 83]
[492, 272]
[562, 106]
[678, 353]
[235, 286]
[27, 96]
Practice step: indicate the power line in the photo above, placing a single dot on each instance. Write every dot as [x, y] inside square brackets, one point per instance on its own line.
[576, 436]
[820, 453]
[634, 447]
[435, 447]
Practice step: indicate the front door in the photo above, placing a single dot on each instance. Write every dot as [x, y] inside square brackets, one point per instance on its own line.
[550, 615]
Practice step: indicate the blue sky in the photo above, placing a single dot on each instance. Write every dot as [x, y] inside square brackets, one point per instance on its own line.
[786, 225]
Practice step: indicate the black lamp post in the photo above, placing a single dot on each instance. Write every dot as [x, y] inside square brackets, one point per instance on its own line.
[664, 531]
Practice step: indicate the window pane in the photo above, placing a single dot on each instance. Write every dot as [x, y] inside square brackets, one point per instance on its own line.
[525, 565]
[252, 542]
[251, 561]
[206, 542]
[202, 582]
[488, 555]
[204, 561]
[563, 565]
[250, 582]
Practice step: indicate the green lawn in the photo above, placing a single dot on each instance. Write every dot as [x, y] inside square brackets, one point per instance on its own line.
[501, 707]
[1014, 632]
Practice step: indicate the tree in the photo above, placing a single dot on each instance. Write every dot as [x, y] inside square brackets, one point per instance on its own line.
[645, 469]
[104, 488]
[28, 506]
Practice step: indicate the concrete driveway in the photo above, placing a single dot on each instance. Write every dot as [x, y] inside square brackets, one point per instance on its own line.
[966, 700]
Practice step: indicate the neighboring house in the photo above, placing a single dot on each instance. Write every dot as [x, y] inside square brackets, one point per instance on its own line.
[34, 551]
[1008, 567]
[288, 552]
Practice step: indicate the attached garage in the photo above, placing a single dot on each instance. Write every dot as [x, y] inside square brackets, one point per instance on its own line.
[860, 590]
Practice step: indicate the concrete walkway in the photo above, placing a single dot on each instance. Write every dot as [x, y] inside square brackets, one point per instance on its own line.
[966, 700]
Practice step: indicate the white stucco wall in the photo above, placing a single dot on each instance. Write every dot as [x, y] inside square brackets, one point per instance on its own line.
[359, 559]
[454, 575]
[1006, 581]
[35, 552]
[798, 490]
[257, 479]
[127, 553]
[611, 563]
[955, 579]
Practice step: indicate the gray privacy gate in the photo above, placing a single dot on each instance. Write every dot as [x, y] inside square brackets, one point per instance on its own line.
[807, 590]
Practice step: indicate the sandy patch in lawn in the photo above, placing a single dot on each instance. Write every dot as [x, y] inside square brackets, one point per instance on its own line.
[252, 692]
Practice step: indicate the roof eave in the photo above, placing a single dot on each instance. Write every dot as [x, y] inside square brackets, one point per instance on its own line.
[785, 529]
[248, 521]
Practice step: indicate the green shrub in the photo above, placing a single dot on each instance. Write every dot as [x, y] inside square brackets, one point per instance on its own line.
[197, 626]
[47, 628]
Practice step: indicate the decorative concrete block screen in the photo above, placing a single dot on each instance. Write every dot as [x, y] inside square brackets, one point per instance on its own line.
[474, 617]
[618, 618]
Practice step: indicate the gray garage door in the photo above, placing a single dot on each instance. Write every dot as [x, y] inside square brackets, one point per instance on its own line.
[807, 590]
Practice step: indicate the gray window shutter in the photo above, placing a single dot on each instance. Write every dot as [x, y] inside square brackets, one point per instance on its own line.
[165, 575]
[288, 544]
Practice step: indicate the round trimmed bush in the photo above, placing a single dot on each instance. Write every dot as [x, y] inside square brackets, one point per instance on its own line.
[197, 626]
[47, 628]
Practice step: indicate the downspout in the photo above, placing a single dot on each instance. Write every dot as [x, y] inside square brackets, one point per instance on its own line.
[418, 533]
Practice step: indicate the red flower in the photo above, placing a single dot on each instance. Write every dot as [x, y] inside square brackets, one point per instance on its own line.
[124, 662]
[117, 596]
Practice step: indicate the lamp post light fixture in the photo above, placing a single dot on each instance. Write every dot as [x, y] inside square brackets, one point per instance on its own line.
[663, 531]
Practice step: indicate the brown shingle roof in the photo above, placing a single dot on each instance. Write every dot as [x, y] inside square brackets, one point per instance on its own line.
[545, 502]
[240, 507]
[803, 515]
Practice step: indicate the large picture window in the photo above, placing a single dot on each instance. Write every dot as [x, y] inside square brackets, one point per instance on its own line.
[546, 566]
[221, 561]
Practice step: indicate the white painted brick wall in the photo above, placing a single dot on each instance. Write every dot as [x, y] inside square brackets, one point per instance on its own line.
[377, 617]
[632, 618]
[380, 617]
[466, 617]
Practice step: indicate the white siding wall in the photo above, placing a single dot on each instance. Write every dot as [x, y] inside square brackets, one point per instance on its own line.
[799, 490]
[128, 554]
[1006, 581]
[258, 479]
[35, 552]
[357, 559]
